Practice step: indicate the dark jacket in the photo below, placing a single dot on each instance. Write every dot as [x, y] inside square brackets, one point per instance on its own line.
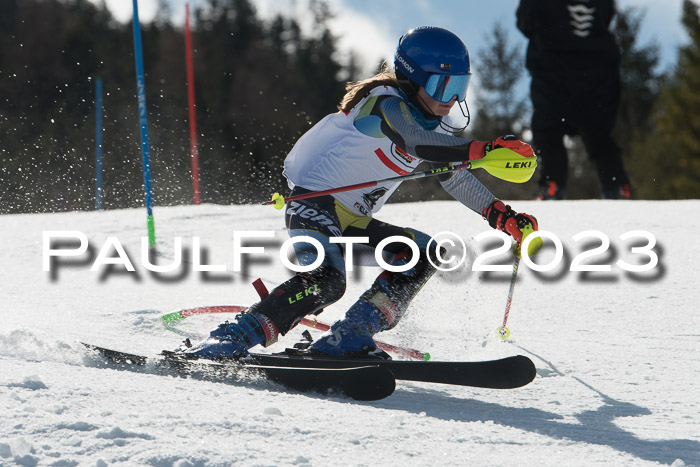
[573, 59]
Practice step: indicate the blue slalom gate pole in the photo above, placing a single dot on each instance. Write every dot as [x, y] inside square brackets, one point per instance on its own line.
[141, 94]
[98, 144]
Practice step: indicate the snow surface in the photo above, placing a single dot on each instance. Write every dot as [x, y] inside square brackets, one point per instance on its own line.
[617, 353]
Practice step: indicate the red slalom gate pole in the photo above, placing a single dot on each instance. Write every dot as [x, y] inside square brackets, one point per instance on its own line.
[194, 153]
[312, 323]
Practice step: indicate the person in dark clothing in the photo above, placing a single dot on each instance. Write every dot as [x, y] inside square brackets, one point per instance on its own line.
[574, 62]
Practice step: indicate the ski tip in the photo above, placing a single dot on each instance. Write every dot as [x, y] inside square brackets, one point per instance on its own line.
[362, 383]
[526, 369]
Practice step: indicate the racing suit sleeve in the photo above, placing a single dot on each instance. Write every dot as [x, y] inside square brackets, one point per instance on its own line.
[468, 190]
[436, 148]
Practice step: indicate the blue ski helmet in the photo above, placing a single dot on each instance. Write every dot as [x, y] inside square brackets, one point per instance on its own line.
[435, 59]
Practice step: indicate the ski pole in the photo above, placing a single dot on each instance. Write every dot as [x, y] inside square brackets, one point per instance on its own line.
[502, 163]
[404, 352]
[503, 331]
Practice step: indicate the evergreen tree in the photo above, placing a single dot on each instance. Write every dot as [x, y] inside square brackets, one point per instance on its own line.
[46, 66]
[258, 88]
[500, 110]
[638, 76]
[671, 154]
[640, 89]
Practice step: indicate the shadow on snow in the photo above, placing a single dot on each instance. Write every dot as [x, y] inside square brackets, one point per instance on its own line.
[595, 426]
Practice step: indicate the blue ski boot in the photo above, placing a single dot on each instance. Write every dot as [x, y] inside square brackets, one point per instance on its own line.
[352, 336]
[234, 339]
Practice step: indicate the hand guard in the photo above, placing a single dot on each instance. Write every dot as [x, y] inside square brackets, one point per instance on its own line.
[478, 149]
[501, 217]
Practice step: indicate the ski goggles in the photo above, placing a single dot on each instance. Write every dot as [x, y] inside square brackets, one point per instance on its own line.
[443, 88]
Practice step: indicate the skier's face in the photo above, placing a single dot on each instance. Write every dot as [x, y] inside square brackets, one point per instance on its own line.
[440, 109]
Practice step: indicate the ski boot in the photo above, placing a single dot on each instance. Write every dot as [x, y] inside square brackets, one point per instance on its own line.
[617, 192]
[551, 191]
[233, 339]
[352, 336]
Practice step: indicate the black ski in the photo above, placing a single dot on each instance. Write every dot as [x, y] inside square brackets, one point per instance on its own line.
[361, 382]
[506, 373]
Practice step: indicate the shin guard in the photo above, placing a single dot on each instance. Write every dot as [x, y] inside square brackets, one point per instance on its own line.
[304, 294]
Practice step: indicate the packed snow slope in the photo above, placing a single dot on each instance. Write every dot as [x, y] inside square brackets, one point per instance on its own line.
[617, 352]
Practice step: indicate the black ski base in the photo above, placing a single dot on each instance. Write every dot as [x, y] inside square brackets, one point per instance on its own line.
[363, 382]
[506, 373]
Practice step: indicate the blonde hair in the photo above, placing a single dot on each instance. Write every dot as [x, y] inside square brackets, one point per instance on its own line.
[358, 90]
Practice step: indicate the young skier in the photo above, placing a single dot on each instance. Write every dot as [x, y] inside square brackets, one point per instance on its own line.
[386, 125]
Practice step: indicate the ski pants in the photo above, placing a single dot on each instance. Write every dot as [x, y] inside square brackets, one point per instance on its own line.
[323, 218]
[599, 144]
